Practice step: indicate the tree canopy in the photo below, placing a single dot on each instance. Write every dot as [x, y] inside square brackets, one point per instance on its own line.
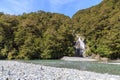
[38, 35]
[101, 26]
[45, 35]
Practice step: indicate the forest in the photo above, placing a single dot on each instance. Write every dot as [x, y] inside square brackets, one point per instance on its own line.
[45, 35]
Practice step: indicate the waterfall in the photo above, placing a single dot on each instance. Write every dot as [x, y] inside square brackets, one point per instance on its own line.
[80, 47]
[81, 43]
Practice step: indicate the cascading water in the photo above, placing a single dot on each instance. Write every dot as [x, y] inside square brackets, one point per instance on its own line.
[81, 43]
[80, 47]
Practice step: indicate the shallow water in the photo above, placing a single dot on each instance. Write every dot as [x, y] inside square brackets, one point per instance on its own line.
[80, 65]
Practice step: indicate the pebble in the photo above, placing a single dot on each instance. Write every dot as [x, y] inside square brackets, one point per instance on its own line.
[14, 70]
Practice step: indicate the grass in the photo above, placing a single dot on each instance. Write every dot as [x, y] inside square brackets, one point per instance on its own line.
[81, 65]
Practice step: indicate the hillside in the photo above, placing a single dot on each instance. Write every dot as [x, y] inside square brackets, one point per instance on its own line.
[101, 26]
[38, 35]
[45, 35]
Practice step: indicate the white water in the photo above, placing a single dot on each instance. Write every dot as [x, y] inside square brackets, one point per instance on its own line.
[82, 45]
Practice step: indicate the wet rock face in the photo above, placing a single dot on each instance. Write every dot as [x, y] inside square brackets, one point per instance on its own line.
[79, 47]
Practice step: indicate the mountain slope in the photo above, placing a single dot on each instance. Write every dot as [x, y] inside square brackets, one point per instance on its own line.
[101, 27]
[37, 35]
[45, 35]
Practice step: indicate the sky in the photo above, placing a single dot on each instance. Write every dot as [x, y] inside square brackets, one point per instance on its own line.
[67, 7]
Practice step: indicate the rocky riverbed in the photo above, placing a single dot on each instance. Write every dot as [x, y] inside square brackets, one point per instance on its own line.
[13, 70]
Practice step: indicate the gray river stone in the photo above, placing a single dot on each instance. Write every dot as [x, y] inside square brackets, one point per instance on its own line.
[14, 70]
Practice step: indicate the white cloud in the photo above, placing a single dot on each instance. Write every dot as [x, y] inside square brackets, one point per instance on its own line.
[60, 2]
[57, 4]
[68, 7]
[19, 6]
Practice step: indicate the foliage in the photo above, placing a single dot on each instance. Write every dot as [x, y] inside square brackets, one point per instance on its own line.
[101, 27]
[38, 35]
[44, 35]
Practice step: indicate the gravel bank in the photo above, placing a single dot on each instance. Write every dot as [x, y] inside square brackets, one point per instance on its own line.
[13, 70]
[77, 59]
